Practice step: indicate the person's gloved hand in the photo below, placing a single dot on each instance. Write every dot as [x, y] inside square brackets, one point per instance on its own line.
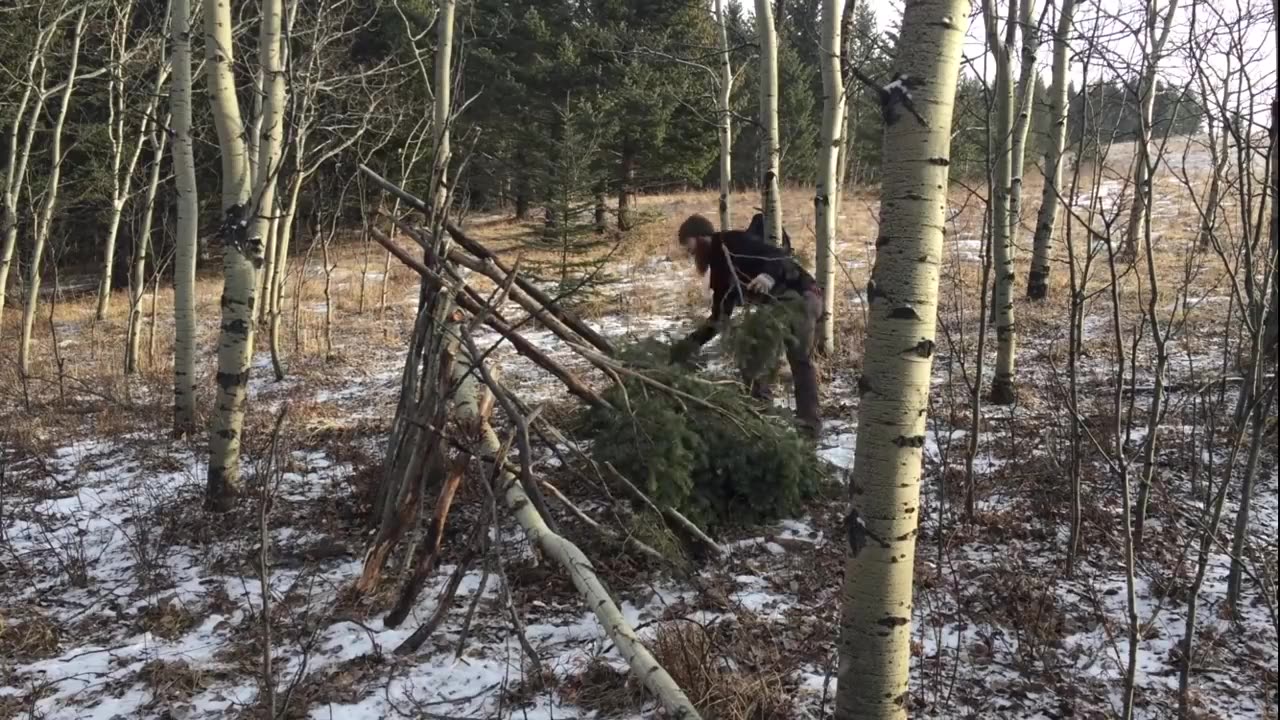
[761, 283]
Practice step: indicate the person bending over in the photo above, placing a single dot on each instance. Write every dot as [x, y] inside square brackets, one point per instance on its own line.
[745, 269]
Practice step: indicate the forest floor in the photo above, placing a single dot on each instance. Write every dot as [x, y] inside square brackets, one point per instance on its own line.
[120, 598]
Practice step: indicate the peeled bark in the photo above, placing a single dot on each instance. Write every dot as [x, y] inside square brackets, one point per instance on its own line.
[1042, 248]
[1157, 30]
[724, 127]
[242, 254]
[138, 281]
[824, 200]
[771, 144]
[1003, 391]
[45, 219]
[875, 641]
[184, 268]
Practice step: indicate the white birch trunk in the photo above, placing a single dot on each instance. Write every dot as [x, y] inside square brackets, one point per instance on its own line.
[1003, 390]
[45, 219]
[1026, 100]
[121, 183]
[1042, 246]
[771, 190]
[725, 126]
[875, 640]
[1157, 35]
[15, 168]
[444, 99]
[184, 268]
[138, 281]
[242, 255]
[824, 200]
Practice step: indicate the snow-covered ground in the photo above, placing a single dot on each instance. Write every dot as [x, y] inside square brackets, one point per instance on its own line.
[120, 598]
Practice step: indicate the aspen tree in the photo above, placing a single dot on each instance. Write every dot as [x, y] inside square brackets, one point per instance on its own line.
[184, 269]
[875, 633]
[824, 200]
[44, 220]
[771, 145]
[1042, 247]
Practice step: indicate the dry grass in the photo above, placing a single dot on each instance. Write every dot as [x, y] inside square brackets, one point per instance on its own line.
[172, 681]
[26, 635]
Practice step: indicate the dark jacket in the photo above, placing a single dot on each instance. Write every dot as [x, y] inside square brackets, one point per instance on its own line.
[747, 257]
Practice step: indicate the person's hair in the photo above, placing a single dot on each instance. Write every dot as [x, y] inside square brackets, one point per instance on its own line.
[695, 226]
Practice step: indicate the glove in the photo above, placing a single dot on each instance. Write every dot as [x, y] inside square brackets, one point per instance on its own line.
[761, 283]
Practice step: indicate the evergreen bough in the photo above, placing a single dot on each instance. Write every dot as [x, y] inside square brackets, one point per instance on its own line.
[734, 465]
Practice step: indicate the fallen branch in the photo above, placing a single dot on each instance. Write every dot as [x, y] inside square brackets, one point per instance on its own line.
[518, 341]
[670, 513]
[601, 530]
[484, 254]
[429, 553]
[644, 666]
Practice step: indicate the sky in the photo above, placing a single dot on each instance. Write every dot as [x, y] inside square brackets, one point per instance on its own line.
[1118, 23]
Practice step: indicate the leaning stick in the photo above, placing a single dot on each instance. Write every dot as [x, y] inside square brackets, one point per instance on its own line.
[669, 512]
[642, 663]
[522, 345]
[483, 253]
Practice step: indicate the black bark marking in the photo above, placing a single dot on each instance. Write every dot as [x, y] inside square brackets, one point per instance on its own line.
[891, 621]
[229, 381]
[864, 385]
[924, 348]
[904, 313]
[873, 291]
[939, 161]
[856, 531]
[914, 441]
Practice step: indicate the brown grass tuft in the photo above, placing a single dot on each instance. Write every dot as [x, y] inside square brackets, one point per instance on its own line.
[172, 680]
[28, 636]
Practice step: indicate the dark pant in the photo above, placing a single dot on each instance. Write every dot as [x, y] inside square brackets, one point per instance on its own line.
[800, 349]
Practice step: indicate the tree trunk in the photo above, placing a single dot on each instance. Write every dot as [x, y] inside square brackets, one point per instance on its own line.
[275, 296]
[824, 200]
[45, 219]
[1209, 216]
[875, 641]
[121, 171]
[184, 268]
[1026, 101]
[444, 99]
[725, 125]
[1038, 278]
[1143, 169]
[242, 254]
[15, 168]
[771, 191]
[1002, 222]
[626, 184]
[138, 282]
